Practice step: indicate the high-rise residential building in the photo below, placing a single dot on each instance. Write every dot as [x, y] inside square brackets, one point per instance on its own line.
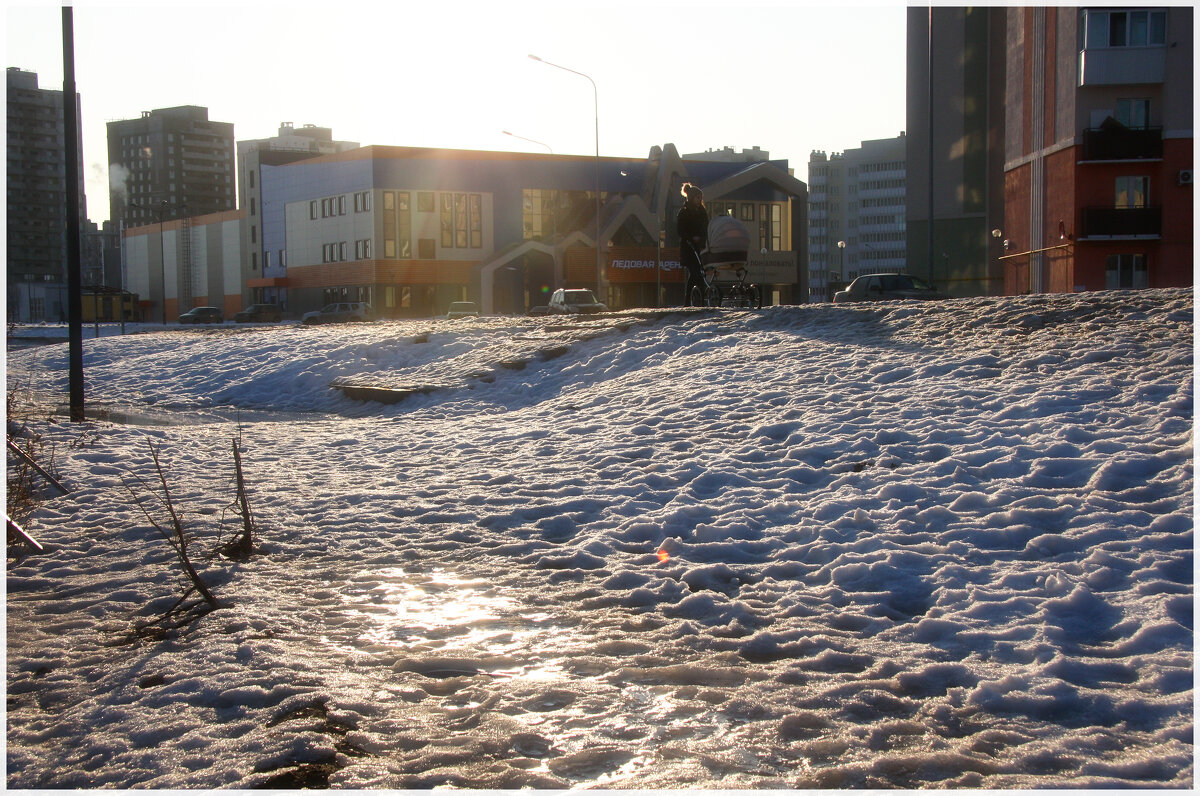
[1061, 150]
[37, 200]
[856, 217]
[955, 146]
[290, 145]
[170, 163]
[1098, 149]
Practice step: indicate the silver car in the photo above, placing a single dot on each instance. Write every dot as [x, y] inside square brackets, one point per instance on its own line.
[338, 313]
[462, 309]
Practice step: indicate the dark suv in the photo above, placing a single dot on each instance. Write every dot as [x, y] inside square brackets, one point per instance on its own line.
[258, 313]
[202, 315]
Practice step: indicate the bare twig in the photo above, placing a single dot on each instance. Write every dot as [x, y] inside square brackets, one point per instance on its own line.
[244, 544]
[176, 536]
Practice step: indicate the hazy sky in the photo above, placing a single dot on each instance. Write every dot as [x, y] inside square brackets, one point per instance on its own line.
[789, 77]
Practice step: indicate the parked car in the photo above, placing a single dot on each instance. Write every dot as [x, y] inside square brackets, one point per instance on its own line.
[258, 313]
[202, 315]
[886, 287]
[462, 309]
[575, 302]
[338, 313]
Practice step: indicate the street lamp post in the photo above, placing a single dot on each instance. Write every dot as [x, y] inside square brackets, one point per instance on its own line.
[841, 244]
[596, 106]
[162, 252]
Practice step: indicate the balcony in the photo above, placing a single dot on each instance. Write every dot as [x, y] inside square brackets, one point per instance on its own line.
[1122, 143]
[1122, 66]
[1122, 222]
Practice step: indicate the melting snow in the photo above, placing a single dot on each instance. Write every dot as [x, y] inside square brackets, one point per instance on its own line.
[908, 545]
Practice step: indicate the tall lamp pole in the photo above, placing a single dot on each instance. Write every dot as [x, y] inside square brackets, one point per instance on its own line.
[841, 244]
[74, 276]
[162, 252]
[596, 106]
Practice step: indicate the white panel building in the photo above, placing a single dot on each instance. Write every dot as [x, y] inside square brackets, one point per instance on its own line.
[856, 214]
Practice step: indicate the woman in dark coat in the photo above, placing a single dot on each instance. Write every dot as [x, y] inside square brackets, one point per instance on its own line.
[692, 226]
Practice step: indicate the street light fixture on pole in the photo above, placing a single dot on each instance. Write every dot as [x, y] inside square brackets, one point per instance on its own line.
[162, 252]
[596, 106]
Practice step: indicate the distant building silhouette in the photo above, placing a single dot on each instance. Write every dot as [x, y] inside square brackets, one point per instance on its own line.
[172, 161]
[36, 221]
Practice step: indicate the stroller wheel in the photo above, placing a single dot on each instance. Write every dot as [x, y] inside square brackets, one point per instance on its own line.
[712, 296]
[754, 296]
[697, 297]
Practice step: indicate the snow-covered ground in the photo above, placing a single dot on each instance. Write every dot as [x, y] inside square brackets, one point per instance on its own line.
[906, 545]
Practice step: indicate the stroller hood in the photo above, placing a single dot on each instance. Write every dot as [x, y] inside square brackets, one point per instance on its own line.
[728, 239]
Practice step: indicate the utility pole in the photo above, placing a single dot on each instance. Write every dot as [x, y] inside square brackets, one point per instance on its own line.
[74, 276]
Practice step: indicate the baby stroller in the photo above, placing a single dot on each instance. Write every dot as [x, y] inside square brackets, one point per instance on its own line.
[727, 252]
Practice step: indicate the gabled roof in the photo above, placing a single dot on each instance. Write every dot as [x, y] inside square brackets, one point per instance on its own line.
[766, 172]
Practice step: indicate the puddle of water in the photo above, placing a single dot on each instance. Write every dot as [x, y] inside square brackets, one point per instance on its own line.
[407, 609]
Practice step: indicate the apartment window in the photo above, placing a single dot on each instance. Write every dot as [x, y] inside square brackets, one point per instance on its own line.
[283, 258]
[254, 234]
[251, 178]
[461, 240]
[1131, 192]
[476, 221]
[397, 225]
[341, 204]
[1126, 271]
[1134, 113]
[389, 224]
[252, 206]
[426, 249]
[425, 202]
[342, 251]
[1132, 28]
[447, 221]
[266, 260]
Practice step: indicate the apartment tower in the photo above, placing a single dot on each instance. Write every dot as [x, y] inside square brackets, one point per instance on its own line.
[37, 200]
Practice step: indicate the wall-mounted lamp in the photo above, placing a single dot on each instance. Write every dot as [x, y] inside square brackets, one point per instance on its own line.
[1062, 231]
[997, 234]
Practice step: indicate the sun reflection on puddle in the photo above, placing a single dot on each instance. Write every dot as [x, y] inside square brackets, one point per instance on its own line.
[409, 609]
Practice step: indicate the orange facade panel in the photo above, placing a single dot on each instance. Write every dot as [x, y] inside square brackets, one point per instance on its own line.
[580, 267]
